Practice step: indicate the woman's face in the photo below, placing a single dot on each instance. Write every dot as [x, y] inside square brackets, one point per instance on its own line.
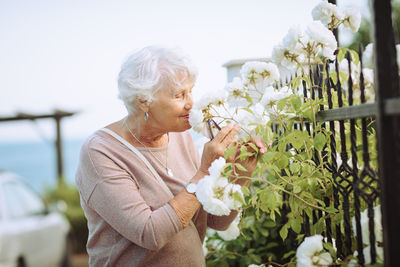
[170, 110]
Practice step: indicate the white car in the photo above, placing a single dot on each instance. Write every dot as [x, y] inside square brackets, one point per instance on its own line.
[30, 235]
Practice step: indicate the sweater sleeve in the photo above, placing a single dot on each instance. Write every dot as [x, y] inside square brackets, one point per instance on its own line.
[219, 223]
[116, 197]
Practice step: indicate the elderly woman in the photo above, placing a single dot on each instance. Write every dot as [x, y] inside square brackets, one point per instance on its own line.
[136, 175]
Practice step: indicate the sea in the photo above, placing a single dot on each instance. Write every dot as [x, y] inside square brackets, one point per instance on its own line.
[35, 161]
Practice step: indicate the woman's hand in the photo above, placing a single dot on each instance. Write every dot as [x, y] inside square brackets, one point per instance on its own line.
[216, 147]
[250, 163]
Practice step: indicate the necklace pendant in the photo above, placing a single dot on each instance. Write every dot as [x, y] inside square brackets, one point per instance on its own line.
[170, 173]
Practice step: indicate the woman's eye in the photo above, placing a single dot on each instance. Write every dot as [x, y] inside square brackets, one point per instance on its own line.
[179, 95]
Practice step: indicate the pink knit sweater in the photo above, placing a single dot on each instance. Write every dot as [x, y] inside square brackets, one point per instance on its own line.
[129, 219]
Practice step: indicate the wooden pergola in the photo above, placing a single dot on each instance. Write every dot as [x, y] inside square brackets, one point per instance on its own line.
[57, 116]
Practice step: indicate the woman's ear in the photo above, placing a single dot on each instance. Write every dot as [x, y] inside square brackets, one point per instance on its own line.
[142, 104]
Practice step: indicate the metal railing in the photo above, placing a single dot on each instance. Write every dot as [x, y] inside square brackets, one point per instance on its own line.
[360, 182]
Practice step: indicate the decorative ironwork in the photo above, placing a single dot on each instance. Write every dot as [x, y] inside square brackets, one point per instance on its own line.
[355, 181]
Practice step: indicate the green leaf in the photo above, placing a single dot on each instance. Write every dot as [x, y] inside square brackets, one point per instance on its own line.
[229, 151]
[319, 141]
[249, 110]
[308, 114]
[341, 54]
[319, 226]
[343, 77]
[253, 146]
[283, 232]
[354, 54]
[297, 139]
[249, 99]
[264, 232]
[281, 103]
[271, 245]
[295, 224]
[296, 189]
[333, 76]
[331, 210]
[238, 197]
[240, 167]
[328, 246]
[288, 254]
[269, 156]
[245, 191]
[294, 167]
[270, 224]
[295, 83]
[269, 200]
[272, 215]
[282, 162]
[296, 102]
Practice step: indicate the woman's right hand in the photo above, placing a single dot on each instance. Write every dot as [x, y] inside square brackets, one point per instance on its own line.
[216, 147]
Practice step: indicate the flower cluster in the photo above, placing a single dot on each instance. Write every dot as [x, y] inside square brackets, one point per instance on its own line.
[248, 100]
[216, 194]
[368, 56]
[259, 73]
[367, 71]
[332, 16]
[233, 230]
[255, 101]
[368, 75]
[303, 46]
[378, 231]
[311, 253]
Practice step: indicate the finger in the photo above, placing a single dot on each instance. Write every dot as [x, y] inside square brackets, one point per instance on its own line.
[259, 142]
[231, 136]
[223, 133]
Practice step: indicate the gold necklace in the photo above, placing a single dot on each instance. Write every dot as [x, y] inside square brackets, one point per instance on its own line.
[169, 171]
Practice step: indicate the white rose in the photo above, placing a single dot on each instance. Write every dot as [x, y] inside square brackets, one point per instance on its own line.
[367, 255]
[286, 58]
[233, 230]
[196, 120]
[249, 121]
[309, 253]
[210, 192]
[352, 19]
[368, 56]
[369, 84]
[364, 221]
[217, 167]
[317, 34]
[217, 97]
[236, 93]
[259, 73]
[292, 38]
[272, 96]
[327, 13]
[228, 198]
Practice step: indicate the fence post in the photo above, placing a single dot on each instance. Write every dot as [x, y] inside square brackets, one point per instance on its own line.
[388, 127]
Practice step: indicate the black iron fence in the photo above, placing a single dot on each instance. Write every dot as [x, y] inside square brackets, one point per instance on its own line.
[359, 130]
[356, 183]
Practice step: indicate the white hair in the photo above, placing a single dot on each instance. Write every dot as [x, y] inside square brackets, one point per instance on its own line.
[150, 69]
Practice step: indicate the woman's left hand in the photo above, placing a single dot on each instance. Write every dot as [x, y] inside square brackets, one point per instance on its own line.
[249, 163]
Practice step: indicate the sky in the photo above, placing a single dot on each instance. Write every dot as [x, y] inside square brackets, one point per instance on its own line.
[59, 54]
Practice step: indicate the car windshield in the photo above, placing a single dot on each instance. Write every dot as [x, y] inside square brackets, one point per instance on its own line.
[20, 200]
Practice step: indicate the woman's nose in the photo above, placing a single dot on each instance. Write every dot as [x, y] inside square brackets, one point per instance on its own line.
[189, 102]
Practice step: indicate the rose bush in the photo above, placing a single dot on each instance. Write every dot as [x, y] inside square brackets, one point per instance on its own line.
[292, 172]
